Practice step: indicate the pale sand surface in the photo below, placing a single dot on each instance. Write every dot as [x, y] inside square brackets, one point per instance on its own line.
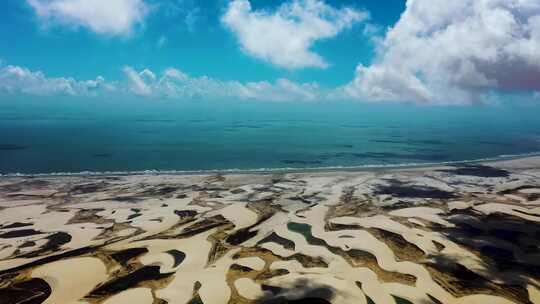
[462, 234]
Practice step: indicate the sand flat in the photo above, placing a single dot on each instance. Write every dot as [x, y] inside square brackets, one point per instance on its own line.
[448, 234]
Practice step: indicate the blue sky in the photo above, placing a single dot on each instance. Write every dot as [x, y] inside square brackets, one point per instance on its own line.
[463, 52]
[197, 43]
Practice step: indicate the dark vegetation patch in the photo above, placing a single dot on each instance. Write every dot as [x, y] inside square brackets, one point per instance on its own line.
[273, 289]
[517, 191]
[516, 231]
[29, 183]
[16, 225]
[87, 188]
[185, 213]
[178, 256]
[19, 233]
[400, 300]
[159, 191]
[309, 293]
[400, 189]
[398, 205]
[238, 191]
[241, 268]
[355, 257]
[304, 199]
[50, 259]
[403, 250]
[124, 256]
[133, 279]
[33, 291]
[434, 300]
[511, 236]
[125, 199]
[137, 213]
[204, 225]
[132, 216]
[89, 216]
[476, 234]
[27, 244]
[54, 242]
[478, 171]
[440, 247]
[526, 213]
[308, 261]
[368, 299]
[273, 237]
[460, 281]
[241, 236]
[244, 234]
[271, 274]
[349, 206]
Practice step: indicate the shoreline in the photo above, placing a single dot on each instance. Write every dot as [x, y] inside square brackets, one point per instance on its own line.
[509, 160]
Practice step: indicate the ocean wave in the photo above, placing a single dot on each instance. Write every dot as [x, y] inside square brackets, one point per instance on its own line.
[273, 170]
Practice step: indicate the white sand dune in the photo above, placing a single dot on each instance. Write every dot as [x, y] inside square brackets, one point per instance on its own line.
[419, 235]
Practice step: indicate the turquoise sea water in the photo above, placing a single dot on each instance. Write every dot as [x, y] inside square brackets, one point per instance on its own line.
[48, 136]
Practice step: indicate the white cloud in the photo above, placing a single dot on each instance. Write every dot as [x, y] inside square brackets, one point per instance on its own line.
[284, 37]
[16, 79]
[187, 12]
[371, 29]
[454, 52]
[173, 83]
[114, 17]
[136, 82]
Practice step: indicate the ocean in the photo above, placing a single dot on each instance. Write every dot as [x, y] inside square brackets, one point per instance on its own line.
[69, 136]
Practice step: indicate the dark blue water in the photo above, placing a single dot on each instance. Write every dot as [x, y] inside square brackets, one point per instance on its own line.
[101, 135]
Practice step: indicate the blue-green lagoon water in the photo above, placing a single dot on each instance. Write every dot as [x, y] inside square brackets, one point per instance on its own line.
[51, 136]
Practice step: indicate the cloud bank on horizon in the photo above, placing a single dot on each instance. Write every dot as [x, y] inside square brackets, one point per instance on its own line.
[172, 83]
[439, 52]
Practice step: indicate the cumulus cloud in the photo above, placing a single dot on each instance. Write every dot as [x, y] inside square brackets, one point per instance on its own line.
[454, 52]
[114, 17]
[16, 80]
[173, 83]
[284, 37]
[170, 84]
[137, 82]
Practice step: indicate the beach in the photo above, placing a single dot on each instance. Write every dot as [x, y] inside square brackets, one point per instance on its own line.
[463, 233]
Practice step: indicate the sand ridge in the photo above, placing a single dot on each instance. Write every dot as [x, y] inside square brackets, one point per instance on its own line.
[467, 234]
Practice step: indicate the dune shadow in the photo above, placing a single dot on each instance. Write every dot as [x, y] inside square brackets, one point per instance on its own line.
[508, 247]
[400, 189]
[477, 171]
[303, 291]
